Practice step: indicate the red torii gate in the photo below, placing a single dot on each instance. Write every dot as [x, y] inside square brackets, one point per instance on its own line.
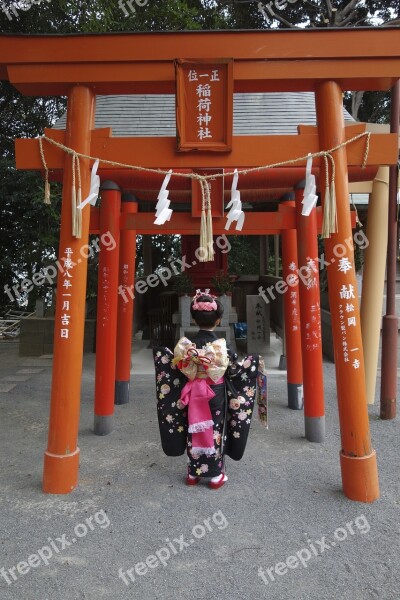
[325, 62]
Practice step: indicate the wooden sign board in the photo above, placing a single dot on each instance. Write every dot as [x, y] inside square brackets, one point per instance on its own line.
[204, 104]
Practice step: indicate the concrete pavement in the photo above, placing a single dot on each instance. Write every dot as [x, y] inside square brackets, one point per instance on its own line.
[280, 528]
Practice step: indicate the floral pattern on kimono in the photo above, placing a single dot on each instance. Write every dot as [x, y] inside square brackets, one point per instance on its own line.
[241, 383]
[172, 415]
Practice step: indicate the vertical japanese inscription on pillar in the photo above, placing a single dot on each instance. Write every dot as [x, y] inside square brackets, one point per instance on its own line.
[348, 312]
[66, 293]
[124, 287]
[310, 278]
[105, 317]
[204, 104]
[293, 281]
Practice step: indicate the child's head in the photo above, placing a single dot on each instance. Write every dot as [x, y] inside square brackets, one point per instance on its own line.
[206, 310]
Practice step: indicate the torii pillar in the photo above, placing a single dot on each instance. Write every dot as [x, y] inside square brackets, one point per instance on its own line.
[310, 321]
[127, 264]
[61, 459]
[291, 307]
[357, 458]
[107, 303]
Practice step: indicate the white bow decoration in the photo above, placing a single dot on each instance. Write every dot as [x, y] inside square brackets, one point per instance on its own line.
[163, 212]
[310, 199]
[94, 188]
[236, 213]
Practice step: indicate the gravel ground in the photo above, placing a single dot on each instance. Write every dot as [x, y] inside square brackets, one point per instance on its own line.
[280, 528]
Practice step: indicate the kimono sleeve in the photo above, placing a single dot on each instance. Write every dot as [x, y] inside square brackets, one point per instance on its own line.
[241, 385]
[172, 415]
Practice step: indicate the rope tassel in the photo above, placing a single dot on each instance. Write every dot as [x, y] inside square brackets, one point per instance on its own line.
[333, 215]
[47, 197]
[327, 214]
[329, 220]
[73, 211]
[76, 198]
[206, 228]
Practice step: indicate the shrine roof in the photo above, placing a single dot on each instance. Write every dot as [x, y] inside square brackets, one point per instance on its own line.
[153, 115]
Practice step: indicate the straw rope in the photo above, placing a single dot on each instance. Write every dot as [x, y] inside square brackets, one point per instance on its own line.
[330, 215]
[76, 197]
[47, 199]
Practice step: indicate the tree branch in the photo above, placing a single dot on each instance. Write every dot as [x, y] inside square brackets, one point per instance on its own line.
[314, 8]
[349, 7]
[347, 20]
[356, 100]
[274, 16]
[284, 22]
[329, 8]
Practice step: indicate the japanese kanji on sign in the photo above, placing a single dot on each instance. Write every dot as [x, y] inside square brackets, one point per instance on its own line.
[204, 105]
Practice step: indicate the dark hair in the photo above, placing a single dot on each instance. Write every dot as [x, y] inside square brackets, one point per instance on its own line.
[206, 318]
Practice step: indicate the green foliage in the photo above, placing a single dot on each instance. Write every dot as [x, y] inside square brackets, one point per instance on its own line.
[24, 116]
[165, 249]
[28, 230]
[374, 107]
[244, 256]
[104, 16]
[271, 269]
[328, 13]
[221, 282]
[183, 283]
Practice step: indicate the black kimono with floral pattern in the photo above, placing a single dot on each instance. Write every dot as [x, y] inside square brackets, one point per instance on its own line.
[231, 409]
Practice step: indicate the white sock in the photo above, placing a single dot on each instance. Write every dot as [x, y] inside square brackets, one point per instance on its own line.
[192, 476]
[217, 479]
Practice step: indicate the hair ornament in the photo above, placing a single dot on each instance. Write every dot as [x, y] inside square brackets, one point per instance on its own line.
[207, 305]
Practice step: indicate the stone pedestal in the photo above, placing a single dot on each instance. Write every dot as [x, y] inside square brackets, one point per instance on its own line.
[258, 328]
[226, 302]
[39, 308]
[184, 310]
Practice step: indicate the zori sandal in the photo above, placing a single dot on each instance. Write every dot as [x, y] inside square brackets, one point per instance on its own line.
[215, 485]
[192, 480]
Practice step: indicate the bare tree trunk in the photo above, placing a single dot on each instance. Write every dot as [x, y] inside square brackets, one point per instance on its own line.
[356, 100]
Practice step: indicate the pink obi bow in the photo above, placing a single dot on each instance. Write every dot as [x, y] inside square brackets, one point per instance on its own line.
[203, 367]
[196, 395]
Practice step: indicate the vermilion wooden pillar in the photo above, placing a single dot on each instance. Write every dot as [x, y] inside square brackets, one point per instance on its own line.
[310, 319]
[358, 459]
[61, 459]
[127, 262]
[107, 306]
[291, 304]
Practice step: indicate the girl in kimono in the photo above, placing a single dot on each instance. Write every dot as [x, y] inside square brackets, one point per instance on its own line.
[204, 361]
[202, 407]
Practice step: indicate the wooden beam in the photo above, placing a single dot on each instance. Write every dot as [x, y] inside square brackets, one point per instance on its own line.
[265, 223]
[248, 151]
[261, 223]
[308, 44]
[352, 129]
[367, 59]
[159, 78]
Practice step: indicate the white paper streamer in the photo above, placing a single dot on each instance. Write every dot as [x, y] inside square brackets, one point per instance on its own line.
[236, 213]
[94, 188]
[163, 212]
[310, 199]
